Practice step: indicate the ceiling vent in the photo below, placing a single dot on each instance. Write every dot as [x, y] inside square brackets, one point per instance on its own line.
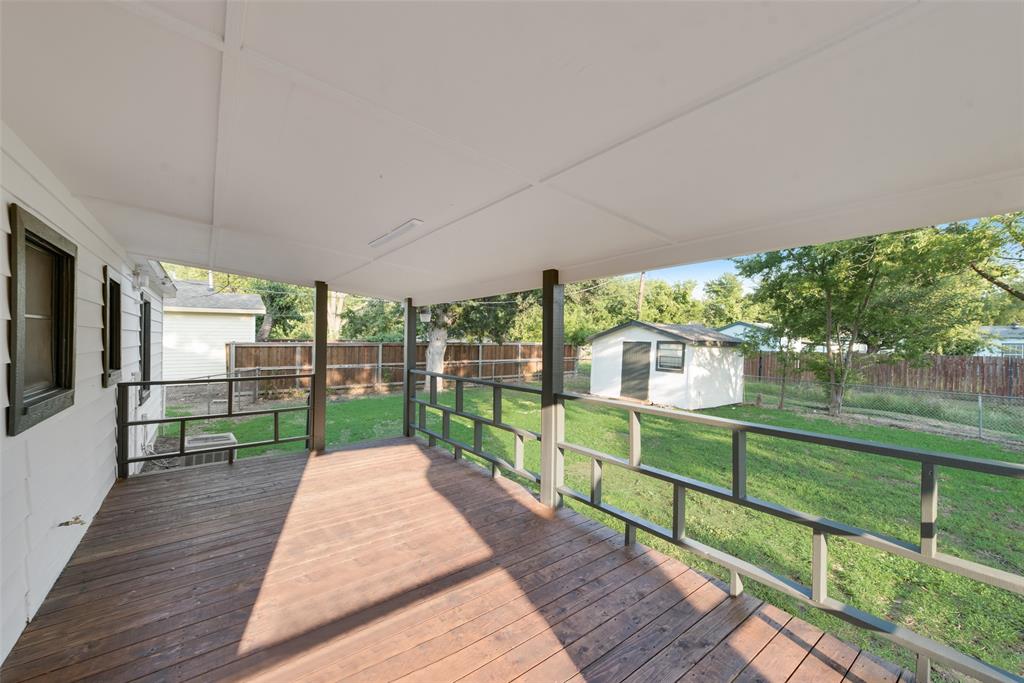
[396, 232]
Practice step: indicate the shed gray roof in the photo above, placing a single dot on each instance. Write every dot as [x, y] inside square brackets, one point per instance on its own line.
[192, 294]
[692, 334]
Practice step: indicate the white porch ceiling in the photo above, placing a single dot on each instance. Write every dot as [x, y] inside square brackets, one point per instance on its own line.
[279, 138]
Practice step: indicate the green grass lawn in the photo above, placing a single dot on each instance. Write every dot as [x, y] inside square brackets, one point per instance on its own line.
[981, 516]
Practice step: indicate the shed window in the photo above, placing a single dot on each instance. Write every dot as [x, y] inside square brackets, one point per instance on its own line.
[670, 356]
[111, 327]
[42, 322]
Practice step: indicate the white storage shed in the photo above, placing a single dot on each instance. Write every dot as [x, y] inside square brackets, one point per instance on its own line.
[684, 366]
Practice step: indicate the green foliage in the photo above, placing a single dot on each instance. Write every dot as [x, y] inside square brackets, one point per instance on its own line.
[372, 320]
[906, 293]
[725, 302]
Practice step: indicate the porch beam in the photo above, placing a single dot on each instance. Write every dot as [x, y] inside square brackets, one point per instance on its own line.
[552, 410]
[319, 412]
[408, 365]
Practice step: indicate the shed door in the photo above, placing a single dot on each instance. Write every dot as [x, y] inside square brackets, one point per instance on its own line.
[636, 369]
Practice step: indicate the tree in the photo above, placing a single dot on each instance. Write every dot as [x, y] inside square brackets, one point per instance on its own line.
[996, 250]
[900, 292]
[725, 302]
[372, 320]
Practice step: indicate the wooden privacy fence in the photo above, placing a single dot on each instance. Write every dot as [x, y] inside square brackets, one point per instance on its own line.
[368, 365]
[994, 375]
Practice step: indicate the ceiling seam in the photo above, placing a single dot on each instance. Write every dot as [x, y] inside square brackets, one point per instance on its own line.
[781, 66]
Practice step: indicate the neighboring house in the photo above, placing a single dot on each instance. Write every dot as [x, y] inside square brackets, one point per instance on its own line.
[1003, 340]
[199, 323]
[741, 330]
[685, 366]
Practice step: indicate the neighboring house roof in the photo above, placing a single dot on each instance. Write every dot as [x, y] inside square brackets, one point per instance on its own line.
[196, 297]
[743, 323]
[1014, 331]
[692, 334]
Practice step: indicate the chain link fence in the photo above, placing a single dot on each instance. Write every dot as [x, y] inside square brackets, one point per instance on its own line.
[981, 416]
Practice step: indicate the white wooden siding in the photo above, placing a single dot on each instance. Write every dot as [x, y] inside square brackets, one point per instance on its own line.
[193, 343]
[65, 465]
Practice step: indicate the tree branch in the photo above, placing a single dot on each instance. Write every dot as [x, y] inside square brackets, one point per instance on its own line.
[998, 283]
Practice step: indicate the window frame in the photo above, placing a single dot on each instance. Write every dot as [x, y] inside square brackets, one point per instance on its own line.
[113, 333]
[145, 345]
[682, 356]
[24, 412]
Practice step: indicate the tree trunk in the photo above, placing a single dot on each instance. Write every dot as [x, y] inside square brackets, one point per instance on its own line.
[835, 398]
[782, 392]
[263, 334]
[437, 341]
[335, 307]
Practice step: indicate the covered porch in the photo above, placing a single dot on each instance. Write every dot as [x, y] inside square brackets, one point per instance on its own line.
[391, 560]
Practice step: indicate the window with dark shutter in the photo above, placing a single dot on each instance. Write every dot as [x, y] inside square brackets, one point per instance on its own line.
[111, 327]
[42, 333]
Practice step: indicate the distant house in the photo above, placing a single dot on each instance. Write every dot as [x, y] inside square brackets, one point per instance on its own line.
[1003, 340]
[197, 325]
[742, 330]
[685, 366]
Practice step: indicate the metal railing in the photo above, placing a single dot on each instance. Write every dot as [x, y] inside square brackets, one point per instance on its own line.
[519, 436]
[125, 423]
[816, 595]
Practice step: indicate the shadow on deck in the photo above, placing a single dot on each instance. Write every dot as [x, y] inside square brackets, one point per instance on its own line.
[390, 560]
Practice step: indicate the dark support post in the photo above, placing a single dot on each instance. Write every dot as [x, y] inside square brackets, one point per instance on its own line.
[408, 365]
[551, 408]
[122, 431]
[319, 416]
[929, 509]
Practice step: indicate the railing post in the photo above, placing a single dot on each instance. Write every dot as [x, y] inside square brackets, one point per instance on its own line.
[739, 463]
[929, 509]
[319, 416]
[819, 566]
[634, 438]
[678, 512]
[408, 365]
[122, 431]
[596, 477]
[552, 409]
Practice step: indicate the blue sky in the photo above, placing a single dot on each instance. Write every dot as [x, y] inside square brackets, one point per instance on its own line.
[699, 272]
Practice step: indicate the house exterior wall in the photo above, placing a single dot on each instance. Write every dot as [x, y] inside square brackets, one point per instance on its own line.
[712, 375]
[1004, 346]
[63, 466]
[194, 342]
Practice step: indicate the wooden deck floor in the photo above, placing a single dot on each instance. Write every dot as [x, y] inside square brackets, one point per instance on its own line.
[392, 561]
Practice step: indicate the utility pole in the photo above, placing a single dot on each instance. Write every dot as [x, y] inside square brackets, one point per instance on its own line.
[640, 297]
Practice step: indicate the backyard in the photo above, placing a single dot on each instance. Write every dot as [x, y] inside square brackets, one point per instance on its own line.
[980, 516]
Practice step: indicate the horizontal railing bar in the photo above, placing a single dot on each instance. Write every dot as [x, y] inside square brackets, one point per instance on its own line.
[214, 416]
[211, 380]
[475, 380]
[978, 572]
[493, 459]
[898, 634]
[525, 433]
[996, 467]
[217, 449]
